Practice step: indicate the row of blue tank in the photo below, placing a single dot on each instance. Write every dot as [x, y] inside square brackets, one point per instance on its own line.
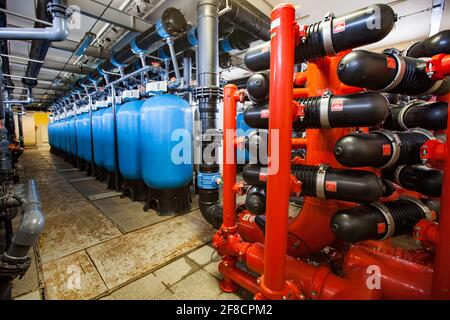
[145, 140]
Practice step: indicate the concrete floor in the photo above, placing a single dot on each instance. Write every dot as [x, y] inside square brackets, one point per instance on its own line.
[110, 248]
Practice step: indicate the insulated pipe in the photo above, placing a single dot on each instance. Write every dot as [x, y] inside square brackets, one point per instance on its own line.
[389, 72]
[248, 18]
[418, 113]
[326, 183]
[4, 50]
[381, 148]
[207, 94]
[380, 221]
[328, 111]
[273, 283]
[332, 35]
[58, 32]
[171, 24]
[39, 48]
[439, 43]
[20, 124]
[31, 226]
[419, 178]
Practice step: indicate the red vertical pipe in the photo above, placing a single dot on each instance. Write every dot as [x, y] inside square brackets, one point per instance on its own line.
[441, 275]
[280, 136]
[229, 156]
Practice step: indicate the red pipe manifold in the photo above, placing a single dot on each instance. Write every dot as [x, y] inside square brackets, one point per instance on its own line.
[275, 255]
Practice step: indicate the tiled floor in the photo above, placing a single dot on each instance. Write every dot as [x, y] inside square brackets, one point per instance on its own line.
[110, 248]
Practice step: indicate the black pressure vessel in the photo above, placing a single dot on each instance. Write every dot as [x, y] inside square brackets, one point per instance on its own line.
[427, 115]
[388, 72]
[258, 87]
[255, 200]
[354, 110]
[381, 220]
[419, 178]
[439, 43]
[328, 37]
[326, 183]
[381, 148]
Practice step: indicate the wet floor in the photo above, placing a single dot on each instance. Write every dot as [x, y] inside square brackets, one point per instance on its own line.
[110, 248]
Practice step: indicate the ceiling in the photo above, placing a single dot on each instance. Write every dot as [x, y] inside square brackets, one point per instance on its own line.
[413, 25]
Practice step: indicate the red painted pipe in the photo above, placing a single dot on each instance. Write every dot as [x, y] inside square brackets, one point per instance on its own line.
[299, 143]
[273, 283]
[441, 276]
[400, 279]
[229, 156]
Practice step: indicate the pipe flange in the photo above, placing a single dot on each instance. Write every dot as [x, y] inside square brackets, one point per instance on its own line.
[58, 9]
[208, 92]
[320, 181]
[324, 110]
[402, 112]
[397, 172]
[327, 26]
[427, 212]
[396, 145]
[389, 219]
[425, 132]
[434, 87]
[400, 73]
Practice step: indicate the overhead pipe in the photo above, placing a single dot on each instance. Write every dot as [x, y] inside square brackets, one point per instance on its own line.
[171, 24]
[381, 148]
[327, 111]
[59, 31]
[39, 48]
[418, 113]
[439, 43]
[332, 35]
[380, 221]
[4, 49]
[389, 72]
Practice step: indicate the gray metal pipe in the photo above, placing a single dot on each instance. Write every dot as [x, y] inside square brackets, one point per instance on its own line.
[208, 47]
[173, 56]
[31, 224]
[58, 32]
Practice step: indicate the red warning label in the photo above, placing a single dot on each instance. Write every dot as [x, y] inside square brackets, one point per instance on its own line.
[262, 177]
[387, 150]
[337, 105]
[391, 62]
[339, 26]
[381, 228]
[331, 186]
[265, 113]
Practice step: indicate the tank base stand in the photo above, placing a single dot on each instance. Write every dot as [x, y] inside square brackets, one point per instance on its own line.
[136, 190]
[111, 181]
[168, 201]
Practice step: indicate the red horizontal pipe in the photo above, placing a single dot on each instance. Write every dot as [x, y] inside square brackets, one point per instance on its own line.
[240, 277]
[300, 93]
[315, 283]
[300, 79]
[299, 143]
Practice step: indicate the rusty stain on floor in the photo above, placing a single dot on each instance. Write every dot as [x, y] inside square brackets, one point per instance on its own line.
[73, 277]
[86, 253]
[125, 258]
